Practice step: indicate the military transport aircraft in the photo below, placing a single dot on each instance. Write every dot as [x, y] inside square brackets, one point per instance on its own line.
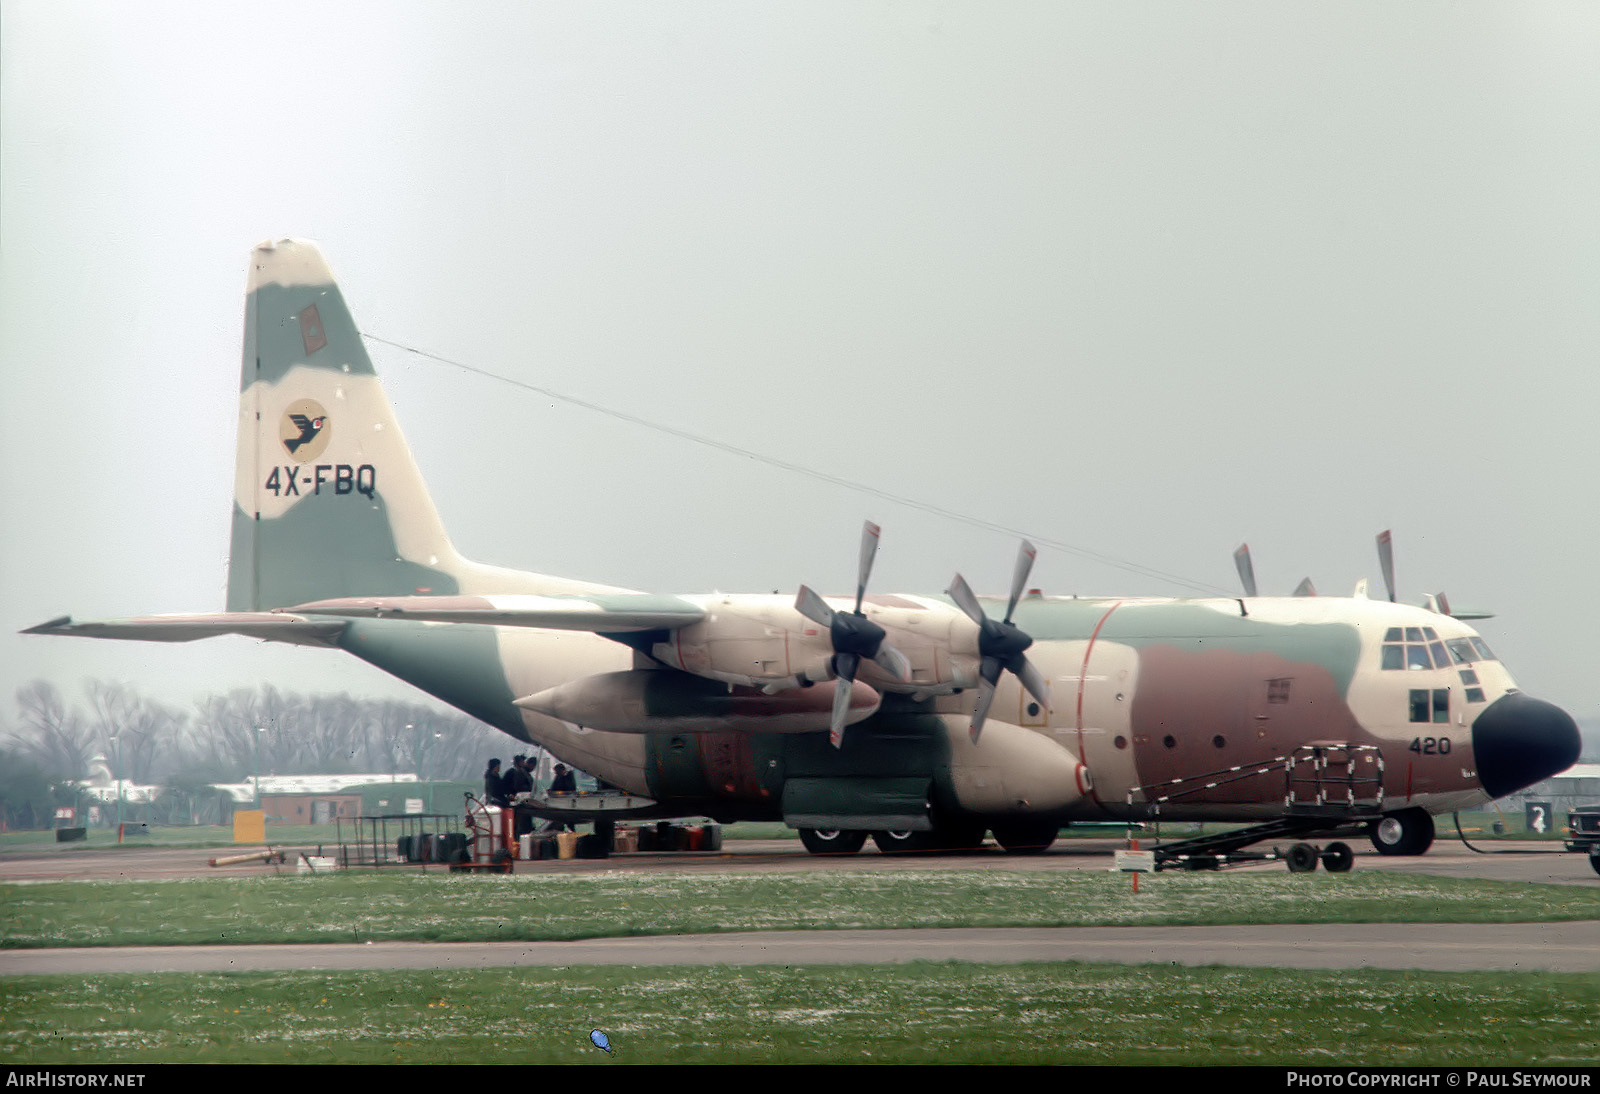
[924, 721]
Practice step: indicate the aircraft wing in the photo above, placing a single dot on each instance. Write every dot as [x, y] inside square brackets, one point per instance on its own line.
[611, 613]
[268, 626]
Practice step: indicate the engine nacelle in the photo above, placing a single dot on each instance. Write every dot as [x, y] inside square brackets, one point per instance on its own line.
[753, 641]
[764, 642]
[1013, 771]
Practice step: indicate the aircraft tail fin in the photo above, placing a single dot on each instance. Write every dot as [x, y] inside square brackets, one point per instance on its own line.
[327, 498]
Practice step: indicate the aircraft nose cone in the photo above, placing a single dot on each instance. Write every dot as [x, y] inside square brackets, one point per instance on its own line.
[1518, 740]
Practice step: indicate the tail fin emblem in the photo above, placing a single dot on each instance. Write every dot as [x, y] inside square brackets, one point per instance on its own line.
[304, 430]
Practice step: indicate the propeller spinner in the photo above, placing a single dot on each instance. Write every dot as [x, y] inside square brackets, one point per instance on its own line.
[1001, 644]
[854, 637]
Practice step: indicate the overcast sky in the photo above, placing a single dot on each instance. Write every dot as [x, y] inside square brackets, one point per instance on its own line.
[1146, 279]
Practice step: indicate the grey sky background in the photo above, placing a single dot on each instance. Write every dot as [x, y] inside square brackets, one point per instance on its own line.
[1149, 279]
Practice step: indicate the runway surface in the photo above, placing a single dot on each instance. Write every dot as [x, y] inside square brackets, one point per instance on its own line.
[1567, 947]
[1555, 947]
[1511, 861]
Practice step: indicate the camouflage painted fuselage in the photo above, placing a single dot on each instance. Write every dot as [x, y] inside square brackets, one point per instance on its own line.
[1143, 693]
[1196, 706]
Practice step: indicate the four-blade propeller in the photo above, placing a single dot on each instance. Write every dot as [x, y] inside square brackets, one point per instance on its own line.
[1000, 643]
[854, 637]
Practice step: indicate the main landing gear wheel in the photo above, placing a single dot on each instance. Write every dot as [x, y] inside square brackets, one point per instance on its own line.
[961, 837]
[1302, 858]
[832, 841]
[904, 842]
[1337, 858]
[1026, 837]
[1408, 832]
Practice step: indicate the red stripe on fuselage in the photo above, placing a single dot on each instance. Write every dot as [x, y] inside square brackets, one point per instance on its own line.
[1083, 678]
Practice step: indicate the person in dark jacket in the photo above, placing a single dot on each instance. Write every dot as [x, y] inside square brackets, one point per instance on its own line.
[565, 782]
[493, 785]
[518, 781]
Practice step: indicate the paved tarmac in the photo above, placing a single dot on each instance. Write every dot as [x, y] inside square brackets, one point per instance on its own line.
[1569, 947]
[1510, 861]
[1555, 947]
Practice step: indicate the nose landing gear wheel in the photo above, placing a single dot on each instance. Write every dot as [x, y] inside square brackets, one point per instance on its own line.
[1408, 832]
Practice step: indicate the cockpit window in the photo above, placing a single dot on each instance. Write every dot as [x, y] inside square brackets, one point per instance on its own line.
[1415, 655]
[1422, 649]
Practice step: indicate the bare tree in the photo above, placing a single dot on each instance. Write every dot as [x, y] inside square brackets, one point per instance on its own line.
[138, 735]
[56, 737]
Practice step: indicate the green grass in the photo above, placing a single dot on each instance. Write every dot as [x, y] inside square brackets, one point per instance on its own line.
[532, 906]
[905, 1014]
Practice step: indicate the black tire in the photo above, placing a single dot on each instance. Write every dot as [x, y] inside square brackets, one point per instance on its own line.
[503, 860]
[832, 841]
[1337, 858]
[1026, 837]
[1594, 860]
[1408, 832]
[962, 836]
[1301, 859]
[904, 842]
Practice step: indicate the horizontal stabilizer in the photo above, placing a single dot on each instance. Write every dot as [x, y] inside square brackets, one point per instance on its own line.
[268, 626]
[611, 613]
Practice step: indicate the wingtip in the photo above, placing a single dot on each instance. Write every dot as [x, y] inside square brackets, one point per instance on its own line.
[50, 626]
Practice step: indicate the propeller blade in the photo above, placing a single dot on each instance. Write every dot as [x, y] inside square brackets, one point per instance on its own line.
[1247, 571]
[813, 607]
[1444, 603]
[1000, 642]
[961, 593]
[841, 698]
[980, 713]
[1033, 681]
[1019, 577]
[1386, 560]
[1305, 588]
[893, 662]
[869, 551]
